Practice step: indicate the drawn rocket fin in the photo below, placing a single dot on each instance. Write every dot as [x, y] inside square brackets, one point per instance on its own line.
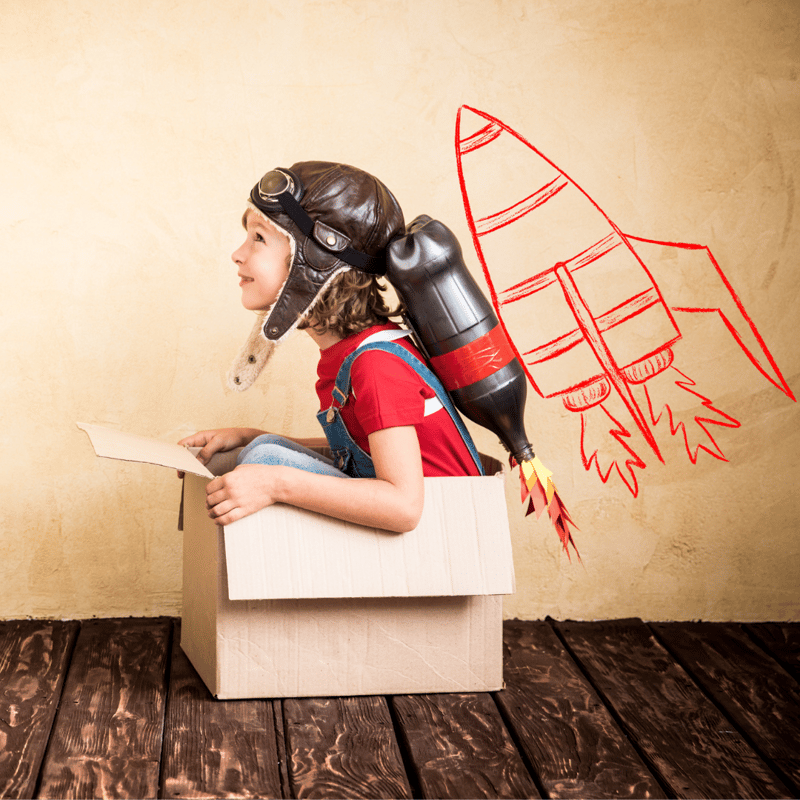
[690, 280]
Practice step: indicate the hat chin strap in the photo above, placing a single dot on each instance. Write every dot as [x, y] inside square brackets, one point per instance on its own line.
[251, 359]
[311, 230]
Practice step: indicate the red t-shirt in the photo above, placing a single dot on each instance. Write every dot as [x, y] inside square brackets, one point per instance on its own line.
[387, 393]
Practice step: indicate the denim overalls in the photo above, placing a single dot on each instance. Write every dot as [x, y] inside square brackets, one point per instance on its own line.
[346, 454]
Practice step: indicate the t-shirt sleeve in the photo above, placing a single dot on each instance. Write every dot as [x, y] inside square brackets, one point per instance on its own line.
[387, 392]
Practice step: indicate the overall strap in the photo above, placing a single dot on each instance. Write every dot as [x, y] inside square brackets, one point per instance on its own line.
[341, 389]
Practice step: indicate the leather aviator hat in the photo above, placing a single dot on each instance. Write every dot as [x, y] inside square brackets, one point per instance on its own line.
[337, 218]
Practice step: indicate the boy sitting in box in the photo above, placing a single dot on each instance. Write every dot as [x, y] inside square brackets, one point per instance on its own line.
[312, 256]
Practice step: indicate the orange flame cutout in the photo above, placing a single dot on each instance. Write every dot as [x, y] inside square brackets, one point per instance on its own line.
[538, 489]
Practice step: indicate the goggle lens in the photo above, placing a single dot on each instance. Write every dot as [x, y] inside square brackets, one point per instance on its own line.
[274, 183]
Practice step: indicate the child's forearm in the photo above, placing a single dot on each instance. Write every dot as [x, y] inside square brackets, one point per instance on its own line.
[366, 501]
[393, 500]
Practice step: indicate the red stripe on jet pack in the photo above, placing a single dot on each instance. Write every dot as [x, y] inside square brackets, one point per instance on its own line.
[474, 361]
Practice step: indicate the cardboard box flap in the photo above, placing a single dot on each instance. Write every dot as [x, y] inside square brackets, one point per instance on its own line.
[110, 443]
[462, 546]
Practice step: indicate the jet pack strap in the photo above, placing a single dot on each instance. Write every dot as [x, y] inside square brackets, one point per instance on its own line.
[357, 259]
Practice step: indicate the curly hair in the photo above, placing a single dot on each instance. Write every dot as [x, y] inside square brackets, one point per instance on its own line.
[351, 303]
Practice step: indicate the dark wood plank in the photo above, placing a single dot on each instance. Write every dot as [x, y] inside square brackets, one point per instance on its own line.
[107, 735]
[567, 734]
[33, 664]
[692, 745]
[782, 640]
[752, 688]
[460, 747]
[343, 747]
[216, 748]
[280, 738]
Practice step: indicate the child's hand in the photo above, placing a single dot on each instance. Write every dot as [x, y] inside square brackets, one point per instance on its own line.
[218, 440]
[243, 491]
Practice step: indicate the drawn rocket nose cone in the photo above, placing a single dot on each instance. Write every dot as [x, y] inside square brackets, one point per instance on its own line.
[469, 122]
[498, 169]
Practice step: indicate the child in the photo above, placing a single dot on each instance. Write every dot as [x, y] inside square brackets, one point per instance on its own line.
[315, 246]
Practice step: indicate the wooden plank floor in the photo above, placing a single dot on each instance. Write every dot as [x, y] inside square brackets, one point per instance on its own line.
[113, 708]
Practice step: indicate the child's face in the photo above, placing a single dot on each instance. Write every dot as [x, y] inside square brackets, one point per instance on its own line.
[262, 261]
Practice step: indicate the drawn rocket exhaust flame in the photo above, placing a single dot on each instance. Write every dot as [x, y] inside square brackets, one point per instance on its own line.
[692, 438]
[595, 316]
[604, 444]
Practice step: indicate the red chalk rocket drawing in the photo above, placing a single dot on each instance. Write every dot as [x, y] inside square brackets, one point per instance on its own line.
[589, 310]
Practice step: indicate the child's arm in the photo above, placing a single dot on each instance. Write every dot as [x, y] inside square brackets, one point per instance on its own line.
[392, 500]
[224, 439]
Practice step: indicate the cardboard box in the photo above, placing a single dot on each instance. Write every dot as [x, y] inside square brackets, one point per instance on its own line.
[289, 603]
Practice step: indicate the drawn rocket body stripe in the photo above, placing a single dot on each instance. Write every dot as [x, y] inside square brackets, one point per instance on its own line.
[583, 259]
[604, 323]
[530, 286]
[552, 349]
[483, 137]
[628, 309]
[597, 250]
[513, 213]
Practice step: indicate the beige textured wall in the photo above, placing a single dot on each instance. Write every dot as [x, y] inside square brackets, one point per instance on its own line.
[129, 135]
